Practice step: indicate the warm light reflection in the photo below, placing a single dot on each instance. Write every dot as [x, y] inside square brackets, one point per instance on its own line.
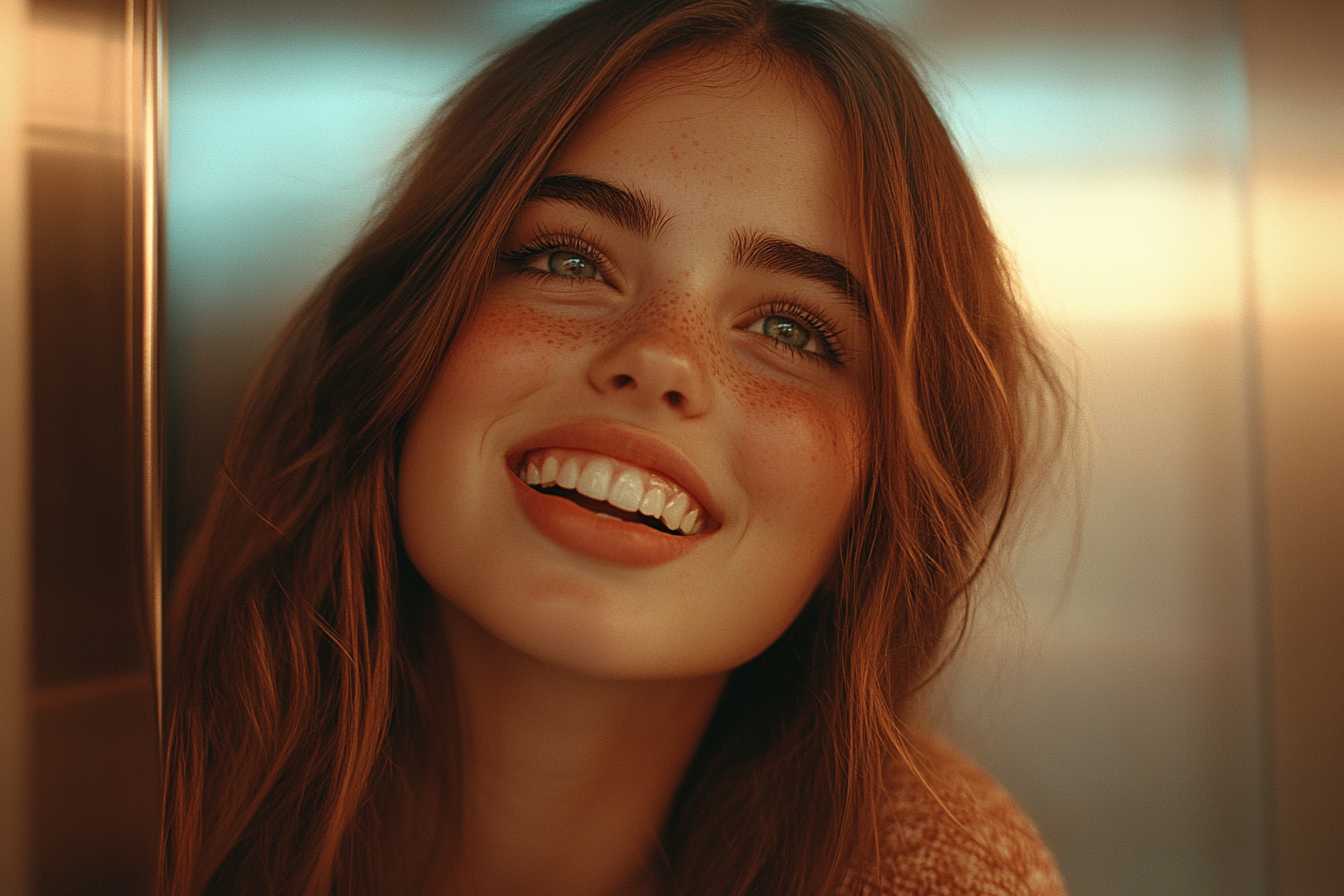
[1120, 245]
[77, 69]
[1299, 242]
[15, 469]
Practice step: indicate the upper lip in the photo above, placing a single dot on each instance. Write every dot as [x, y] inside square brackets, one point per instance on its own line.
[632, 446]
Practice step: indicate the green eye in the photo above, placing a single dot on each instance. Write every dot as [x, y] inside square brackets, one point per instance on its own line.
[787, 331]
[571, 264]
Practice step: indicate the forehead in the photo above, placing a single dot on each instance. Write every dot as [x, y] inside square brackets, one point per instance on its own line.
[715, 131]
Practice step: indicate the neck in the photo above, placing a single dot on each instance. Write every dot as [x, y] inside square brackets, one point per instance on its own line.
[566, 779]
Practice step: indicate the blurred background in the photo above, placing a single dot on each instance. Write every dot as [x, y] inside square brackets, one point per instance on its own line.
[1165, 691]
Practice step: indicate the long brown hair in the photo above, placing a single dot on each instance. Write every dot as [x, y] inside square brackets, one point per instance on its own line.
[299, 680]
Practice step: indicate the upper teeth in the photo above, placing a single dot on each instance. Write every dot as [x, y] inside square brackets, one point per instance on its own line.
[628, 487]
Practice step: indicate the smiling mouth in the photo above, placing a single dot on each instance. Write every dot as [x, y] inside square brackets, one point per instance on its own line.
[613, 489]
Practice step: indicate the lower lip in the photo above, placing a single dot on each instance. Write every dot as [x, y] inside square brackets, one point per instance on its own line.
[609, 540]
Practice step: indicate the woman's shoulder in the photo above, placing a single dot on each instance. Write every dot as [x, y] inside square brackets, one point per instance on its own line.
[956, 832]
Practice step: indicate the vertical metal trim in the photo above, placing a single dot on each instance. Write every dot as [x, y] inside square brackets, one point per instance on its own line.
[1295, 198]
[153, 199]
[1253, 391]
[144, 155]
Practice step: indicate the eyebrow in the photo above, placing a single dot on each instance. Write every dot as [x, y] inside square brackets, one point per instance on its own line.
[781, 256]
[630, 208]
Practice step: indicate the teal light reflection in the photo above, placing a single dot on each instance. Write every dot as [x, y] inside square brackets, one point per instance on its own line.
[1122, 105]
[280, 144]
[278, 149]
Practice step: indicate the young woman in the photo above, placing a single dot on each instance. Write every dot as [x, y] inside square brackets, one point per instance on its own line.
[594, 528]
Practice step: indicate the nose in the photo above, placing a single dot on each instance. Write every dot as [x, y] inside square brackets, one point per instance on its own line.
[656, 366]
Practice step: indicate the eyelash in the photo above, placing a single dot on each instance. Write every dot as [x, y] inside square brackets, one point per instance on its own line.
[545, 243]
[827, 333]
[574, 241]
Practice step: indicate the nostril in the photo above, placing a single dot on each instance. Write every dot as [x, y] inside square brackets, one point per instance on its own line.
[652, 375]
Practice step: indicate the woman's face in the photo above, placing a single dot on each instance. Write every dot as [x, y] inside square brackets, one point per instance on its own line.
[638, 457]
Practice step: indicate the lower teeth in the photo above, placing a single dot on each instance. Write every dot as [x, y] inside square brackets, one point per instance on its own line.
[655, 523]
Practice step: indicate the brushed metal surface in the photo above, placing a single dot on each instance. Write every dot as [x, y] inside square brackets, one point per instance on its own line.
[91, 173]
[1295, 66]
[1164, 692]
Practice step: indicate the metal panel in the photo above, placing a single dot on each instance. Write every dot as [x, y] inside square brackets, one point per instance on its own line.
[15, 563]
[91, 175]
[1123, 697]
[1295, 69]
[1121, 700]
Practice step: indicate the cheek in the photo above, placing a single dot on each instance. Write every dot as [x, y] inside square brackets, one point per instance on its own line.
[796, 451]
[503, 353]
[799, 451]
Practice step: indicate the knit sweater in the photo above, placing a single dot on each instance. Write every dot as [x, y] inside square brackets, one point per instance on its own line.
[990, 849]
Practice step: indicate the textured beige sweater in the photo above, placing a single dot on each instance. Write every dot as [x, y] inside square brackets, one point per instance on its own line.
[990, 849]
